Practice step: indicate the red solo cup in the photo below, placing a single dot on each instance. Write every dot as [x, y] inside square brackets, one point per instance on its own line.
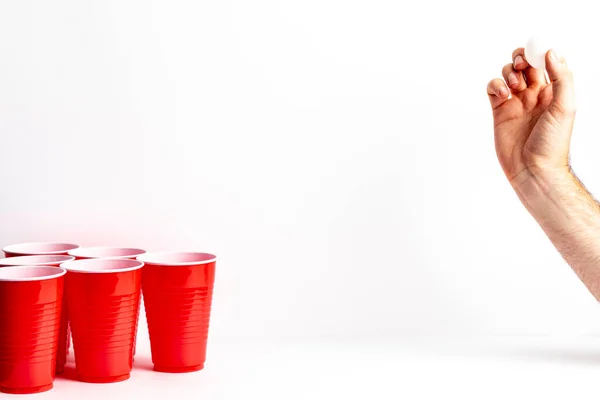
[106, 252]
[178, 291]
[38, 249]
[50, 260]
[117, 253]
[103, 331]
[54, 261]
[30, 310]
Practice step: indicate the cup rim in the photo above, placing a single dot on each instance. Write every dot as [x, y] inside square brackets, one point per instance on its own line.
[88, 252]
[162, 258]
[14, 248]
[92, 266]
[49, 273]
[35, 260]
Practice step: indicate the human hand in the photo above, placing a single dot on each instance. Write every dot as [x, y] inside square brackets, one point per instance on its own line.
[532, 129]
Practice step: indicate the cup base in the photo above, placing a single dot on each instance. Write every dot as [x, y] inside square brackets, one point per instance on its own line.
[178, 370]
[104, 379]
[37, 389]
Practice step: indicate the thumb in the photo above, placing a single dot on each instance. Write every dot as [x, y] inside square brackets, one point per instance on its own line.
[562, 84]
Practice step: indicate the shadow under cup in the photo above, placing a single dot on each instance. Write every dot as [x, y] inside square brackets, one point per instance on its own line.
[178, 289]
[30, 312]
[103, 299]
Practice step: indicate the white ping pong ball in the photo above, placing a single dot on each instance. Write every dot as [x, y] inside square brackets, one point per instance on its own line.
[535, 52]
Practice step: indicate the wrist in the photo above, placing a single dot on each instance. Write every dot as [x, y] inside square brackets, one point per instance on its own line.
[557, 200]
[538, 181]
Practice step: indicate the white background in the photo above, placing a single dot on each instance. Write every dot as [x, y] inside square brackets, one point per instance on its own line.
[336, 155]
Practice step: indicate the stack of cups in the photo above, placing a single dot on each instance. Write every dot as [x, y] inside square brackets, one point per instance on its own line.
[28, 345]
[178, 290]
[103, 300]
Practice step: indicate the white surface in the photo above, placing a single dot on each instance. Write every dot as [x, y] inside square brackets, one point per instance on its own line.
[403, 368]
[337, 156]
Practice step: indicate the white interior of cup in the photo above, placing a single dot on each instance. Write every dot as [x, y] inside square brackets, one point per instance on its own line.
[35, 260]
[106, 252]
[177, 258]
[101, 266]
[30, 273]
[41, 248]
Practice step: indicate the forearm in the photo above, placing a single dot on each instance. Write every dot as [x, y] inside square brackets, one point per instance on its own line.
[569, 215]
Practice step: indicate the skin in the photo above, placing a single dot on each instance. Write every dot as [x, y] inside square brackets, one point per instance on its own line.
[533, 123]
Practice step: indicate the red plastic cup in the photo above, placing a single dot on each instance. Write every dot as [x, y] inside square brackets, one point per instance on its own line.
[30, 311]
[53, 261]
[38, 249]
[106, 252]
[178, 291]
[117, 253]
[103, 298]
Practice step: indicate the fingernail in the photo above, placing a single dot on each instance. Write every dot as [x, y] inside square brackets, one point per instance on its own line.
[553, 55]
[512, 79]
[518, 60]
[502, 91]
